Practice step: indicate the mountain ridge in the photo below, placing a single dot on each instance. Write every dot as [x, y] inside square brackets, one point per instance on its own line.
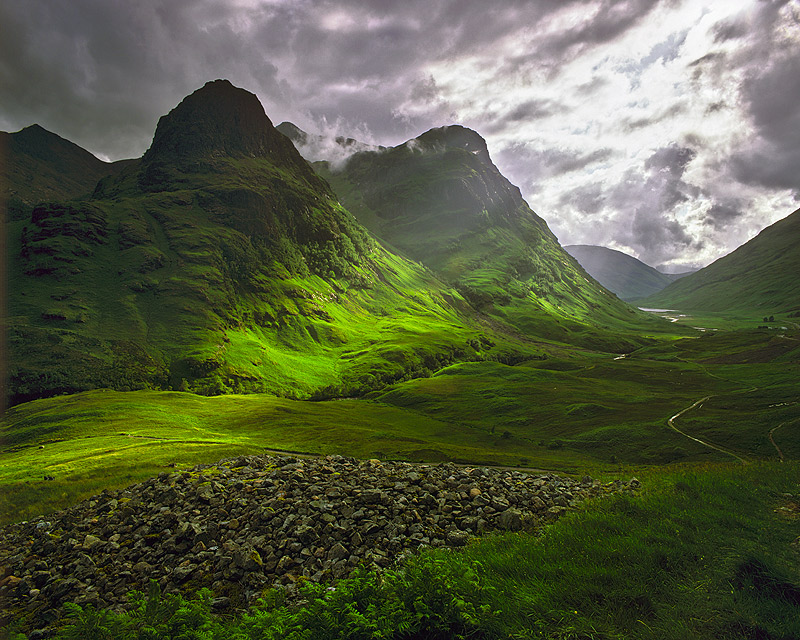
[759, 276]
[217, 266]
[39, 165]
[441, 200]
[619, 272]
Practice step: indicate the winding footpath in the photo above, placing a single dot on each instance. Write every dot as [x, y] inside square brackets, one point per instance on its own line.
[671, 423]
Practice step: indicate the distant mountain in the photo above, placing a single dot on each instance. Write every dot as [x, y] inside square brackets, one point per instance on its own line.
[40, 166]
[620, 273]
[440, 199]
[221, 262]
[761, 277]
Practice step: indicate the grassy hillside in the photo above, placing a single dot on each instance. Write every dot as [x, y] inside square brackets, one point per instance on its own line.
[221, 263]
[758, 278]
[575, 411]
[620, 273]
[40, 166]
[441, 200]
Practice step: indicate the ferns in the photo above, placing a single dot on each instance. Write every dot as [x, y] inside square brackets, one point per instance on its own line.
[428, 597]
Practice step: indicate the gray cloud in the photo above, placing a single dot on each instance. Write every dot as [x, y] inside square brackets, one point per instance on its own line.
[769, 92]
[588, 199]
[650, 196]
[533, 166]
[772, 97]
[101, 73]
[671, 111]
[722, 214]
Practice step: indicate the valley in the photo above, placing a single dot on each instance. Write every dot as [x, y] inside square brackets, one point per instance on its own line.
[221, 298]
[574, 411]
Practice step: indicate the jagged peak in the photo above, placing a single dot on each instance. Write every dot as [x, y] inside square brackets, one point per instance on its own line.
[454, 135]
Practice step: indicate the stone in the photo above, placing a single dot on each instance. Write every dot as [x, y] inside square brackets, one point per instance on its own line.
[182, 573]
[317, 519]
[510, 520]
[337, 552]
[92, 542]
[457, 538]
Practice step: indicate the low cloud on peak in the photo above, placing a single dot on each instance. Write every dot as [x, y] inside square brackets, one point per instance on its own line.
[639, 116]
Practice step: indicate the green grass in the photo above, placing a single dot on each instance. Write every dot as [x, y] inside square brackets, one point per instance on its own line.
[455, 212]
[213, 283]
[700, 552]
[574, 411]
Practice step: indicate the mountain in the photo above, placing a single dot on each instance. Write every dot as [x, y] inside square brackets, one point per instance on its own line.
[759, 277]
[221, 262]
[334, 150]
[620, 273]
[440, 199]
[41, 166]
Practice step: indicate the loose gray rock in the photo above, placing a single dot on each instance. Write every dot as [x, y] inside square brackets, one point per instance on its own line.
[242, 525]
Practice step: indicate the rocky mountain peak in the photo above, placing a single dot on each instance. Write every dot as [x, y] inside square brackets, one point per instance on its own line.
[218, 120]
[293, 132]
[456, 137]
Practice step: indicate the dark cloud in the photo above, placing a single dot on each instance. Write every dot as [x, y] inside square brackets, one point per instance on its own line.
[731, 29]
[672, 160]
[772, 97]
[101, 73]
[665, 114]
[612, 18]
[530, 167]
[588, 199]
[721, 215]
[647, 200]
[768, 59]
[603, 22]
[658, 238]
[525, 112]
[532, 110]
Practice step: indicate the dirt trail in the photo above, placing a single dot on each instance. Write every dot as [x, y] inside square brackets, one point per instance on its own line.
[671, 423]
[777, 448]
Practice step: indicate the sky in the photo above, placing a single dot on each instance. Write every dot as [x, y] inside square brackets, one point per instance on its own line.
[667, 129]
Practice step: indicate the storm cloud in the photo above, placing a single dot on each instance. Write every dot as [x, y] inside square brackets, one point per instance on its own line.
[673, 126]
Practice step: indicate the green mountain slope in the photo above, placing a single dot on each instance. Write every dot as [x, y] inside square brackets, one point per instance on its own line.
[221, 262]
[620, 273]
[441, 200]
[760, 276]
[37, 165]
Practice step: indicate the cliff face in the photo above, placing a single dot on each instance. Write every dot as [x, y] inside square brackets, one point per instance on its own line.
[218, 121]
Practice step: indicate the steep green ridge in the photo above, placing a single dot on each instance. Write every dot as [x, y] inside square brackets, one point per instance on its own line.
[441, 200]
[37, 166]
[221, 262]
[760, 277]
[620, 273]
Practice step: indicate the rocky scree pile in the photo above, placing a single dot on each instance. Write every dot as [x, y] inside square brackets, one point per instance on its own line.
[253, 522]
